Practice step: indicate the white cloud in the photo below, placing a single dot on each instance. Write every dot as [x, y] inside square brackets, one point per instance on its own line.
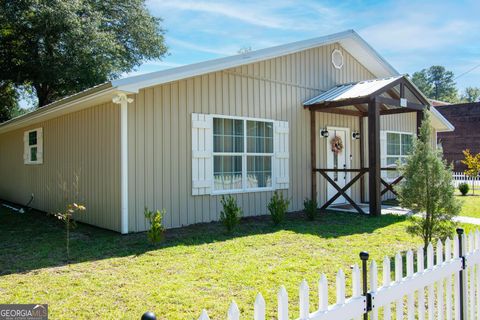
[413, 34]
[222, 51]
[247, 14]
[283, 15]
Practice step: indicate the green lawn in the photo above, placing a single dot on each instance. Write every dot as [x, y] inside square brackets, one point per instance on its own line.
[119, 277]
[471, 205]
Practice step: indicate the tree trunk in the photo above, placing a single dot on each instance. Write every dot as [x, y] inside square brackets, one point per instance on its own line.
[43, 94]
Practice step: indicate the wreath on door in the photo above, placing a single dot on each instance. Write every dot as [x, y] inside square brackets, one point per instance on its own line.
[337, 144]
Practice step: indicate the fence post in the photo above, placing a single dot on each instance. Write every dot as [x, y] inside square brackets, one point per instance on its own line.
[149, 316]
[364, 257]
[461, 274]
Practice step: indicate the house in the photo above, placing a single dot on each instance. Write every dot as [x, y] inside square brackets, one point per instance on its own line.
[466, 118]
[310, 119]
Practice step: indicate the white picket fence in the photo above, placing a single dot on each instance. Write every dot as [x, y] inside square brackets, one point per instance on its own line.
[460, 177]
[431, 292]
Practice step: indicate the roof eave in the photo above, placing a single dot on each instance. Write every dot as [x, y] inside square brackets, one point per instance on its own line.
[447, 125]
[102, 93]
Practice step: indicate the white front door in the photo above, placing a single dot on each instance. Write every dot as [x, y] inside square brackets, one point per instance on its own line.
[338, 158]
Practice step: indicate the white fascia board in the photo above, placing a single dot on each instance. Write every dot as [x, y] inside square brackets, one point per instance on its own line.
[349, 39]
[367, 56]
[47, 113]
[439, 122]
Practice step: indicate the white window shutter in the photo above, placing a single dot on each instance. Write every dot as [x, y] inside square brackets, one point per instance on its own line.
[281, 166]
[202, 154]
[383, 153]
[26, 150]
[40, 145]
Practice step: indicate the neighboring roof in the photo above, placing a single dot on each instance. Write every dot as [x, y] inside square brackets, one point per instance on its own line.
[349, 40]
[436, 103]
[351, 90]
[458, 106]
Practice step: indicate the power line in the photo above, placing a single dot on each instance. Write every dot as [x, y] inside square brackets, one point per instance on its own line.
[468, 71]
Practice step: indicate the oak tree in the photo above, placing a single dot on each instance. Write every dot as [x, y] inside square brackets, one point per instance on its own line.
[62, 47]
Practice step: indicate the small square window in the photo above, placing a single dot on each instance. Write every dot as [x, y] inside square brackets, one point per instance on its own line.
[32, 138]
[33, 154]
[33, 146]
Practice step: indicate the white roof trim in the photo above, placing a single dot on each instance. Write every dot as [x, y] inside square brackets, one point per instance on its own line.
[440, 123]
[349, 40]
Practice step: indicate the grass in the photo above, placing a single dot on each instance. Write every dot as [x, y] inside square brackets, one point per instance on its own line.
[119, 277]
[471, 205]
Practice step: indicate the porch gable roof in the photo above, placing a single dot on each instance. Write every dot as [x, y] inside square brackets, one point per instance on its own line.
[354, 90]
[393, 95]
[360, 92]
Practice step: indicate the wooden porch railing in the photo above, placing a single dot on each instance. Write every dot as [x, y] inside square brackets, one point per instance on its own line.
[341, 191]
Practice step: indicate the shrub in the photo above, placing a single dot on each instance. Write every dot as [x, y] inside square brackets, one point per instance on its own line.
[311, 207]
[156, 232]
[231, 213]
[278, 206]
[463, 188]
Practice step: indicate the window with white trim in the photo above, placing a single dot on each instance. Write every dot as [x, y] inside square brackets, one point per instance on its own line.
[33, 146]
[399, 146]
[242, 154]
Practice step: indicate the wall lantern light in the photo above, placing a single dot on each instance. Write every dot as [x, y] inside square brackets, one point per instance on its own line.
[324, 133]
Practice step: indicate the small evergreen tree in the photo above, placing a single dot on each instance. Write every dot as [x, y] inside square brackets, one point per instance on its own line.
[231, 213]
[311, 208]
[428, 190]
[278, 207]
[156, 232]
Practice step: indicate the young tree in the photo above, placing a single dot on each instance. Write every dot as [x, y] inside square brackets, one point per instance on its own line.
[68, 218]
[436, 83]
[427, 189]
[62, 47]
[471, 94]
[472, 161]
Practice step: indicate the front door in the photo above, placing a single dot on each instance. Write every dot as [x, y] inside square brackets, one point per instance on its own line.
[338, 155]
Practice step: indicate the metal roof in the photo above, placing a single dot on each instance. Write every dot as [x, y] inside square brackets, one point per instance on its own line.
[351, 90]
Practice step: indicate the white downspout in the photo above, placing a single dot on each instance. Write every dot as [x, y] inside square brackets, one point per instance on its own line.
[123, 101]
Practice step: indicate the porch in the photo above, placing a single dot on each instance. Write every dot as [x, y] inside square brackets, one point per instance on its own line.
[365, 100]
[386, 208]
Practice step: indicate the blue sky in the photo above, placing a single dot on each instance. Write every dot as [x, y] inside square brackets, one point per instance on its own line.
[411, 35]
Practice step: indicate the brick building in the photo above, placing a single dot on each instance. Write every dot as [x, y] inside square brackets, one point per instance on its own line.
[466, 119]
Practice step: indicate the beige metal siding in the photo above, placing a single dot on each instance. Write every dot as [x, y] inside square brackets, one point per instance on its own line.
[83, 144]
[160, 130]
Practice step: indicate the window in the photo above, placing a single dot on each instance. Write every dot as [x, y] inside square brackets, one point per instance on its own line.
[242, 154]
[33, 146]
[399, 146]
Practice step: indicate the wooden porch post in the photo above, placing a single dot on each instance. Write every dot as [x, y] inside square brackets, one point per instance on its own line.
[362, 157]
[419, 121]
[313, 154]
[374, 158]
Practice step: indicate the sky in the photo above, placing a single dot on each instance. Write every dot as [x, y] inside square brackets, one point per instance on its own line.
[410, 35]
